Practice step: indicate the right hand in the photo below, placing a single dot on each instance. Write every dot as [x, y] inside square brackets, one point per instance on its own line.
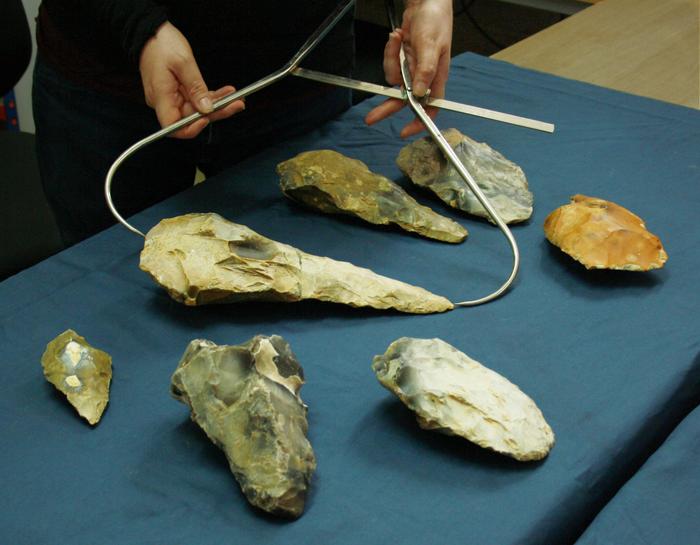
[174, 86]
[426, 33]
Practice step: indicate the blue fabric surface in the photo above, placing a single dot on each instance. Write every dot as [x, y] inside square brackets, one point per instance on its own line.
[660, 503]
[611, 358]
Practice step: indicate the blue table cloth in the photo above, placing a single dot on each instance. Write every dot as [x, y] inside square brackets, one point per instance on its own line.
[611, 358]
[660, 503]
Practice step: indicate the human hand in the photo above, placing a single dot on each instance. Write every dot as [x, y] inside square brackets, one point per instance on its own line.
[174, 86]
[426, 33]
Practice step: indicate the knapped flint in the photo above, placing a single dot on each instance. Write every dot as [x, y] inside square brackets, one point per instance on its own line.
[333, 183]
[203, 258]
[246, 399]
[502, 181]
[603, 235]
[456, 395]
[79, 371]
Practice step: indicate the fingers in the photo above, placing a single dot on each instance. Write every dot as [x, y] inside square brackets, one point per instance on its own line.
[390, 107]
[426, 67]
[169, 108]
[192, 130]
[186, 108]
[437, 90]
[392, 68]
[384, 110]
[188, 74]
[174, 86]
[426, 43]
[437, 87]
[392, 73]
[229, 109]
[416, 126]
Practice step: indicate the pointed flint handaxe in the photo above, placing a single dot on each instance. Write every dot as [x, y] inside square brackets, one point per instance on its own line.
[203, 258]
[333, 183]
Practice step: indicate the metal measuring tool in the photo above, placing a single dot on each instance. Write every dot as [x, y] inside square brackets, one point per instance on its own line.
[292, 67]
[451, 156]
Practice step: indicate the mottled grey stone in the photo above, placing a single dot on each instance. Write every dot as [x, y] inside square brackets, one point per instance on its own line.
[502, 181]
[246, 399]
[456, 395]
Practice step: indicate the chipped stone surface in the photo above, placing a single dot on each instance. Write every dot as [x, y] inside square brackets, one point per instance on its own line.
[603, 235]
[456, 395]
[203, 258]
[333, 183]
[502, 181]
[246, 399]
[79, 371]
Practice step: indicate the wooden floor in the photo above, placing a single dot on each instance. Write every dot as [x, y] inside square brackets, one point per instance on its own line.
[645, 47]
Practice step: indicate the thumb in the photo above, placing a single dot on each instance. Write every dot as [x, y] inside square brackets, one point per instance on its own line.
[426, 67]
[189, 76]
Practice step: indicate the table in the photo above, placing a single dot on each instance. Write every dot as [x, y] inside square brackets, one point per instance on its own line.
[659, 504]
[644, 47]
[567, 7]
[611, 358]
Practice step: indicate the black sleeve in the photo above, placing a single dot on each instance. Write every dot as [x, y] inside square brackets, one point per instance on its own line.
[128, 24]
[15, 44]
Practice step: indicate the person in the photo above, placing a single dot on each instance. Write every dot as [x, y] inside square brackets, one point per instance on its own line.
[15, 44]
[105, 67]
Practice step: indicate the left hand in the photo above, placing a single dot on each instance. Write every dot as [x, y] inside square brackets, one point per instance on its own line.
[426, 33]
[173, 85]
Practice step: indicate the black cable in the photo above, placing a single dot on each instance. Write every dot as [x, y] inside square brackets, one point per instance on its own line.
[465, 9]
[391, 14]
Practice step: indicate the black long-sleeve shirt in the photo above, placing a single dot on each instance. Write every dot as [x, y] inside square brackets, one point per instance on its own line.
[15, 44]
[98, 42]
